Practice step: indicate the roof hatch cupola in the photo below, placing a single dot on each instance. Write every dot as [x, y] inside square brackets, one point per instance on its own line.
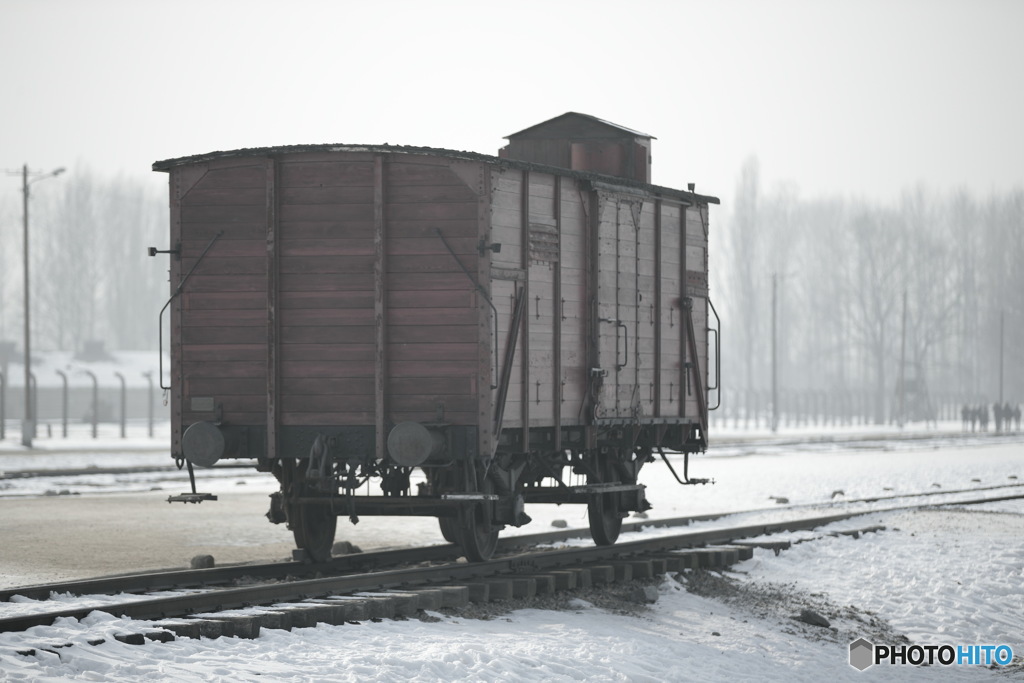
[583, 143]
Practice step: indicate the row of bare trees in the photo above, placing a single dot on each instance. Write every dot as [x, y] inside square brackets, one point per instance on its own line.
[91, 276]
[918, 297]
[843, 269]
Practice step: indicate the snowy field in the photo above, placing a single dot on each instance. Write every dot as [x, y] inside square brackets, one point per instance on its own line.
[950, 576]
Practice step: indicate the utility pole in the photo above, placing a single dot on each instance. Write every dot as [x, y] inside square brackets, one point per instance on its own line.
[28, 424]
[28, 428]
[775, 354]
[1002, 330]
[900, 415]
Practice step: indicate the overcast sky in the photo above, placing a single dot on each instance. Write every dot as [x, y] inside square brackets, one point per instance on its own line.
[861, 98]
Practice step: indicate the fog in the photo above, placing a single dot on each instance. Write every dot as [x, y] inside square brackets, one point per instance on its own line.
[901, 310]
[91, 278]
[866, 154]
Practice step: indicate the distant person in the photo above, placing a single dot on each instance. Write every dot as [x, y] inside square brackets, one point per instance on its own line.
[1011, 416]
[983, 418]
[965, 416]
[997, 416]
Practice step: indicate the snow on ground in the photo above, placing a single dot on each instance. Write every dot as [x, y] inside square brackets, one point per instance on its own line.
[931, 577]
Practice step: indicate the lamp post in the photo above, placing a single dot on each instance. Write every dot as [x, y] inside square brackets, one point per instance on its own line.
[28, 424]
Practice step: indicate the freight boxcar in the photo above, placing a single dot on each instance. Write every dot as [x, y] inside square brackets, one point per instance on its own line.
[396, 330]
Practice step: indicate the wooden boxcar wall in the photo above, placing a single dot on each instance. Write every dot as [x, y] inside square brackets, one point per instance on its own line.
[540, 220]
[329, 298]
[343, 290]
[605, 272]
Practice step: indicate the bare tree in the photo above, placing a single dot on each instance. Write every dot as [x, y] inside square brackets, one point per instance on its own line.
[9, 265]
[93, 278]
[135, 285]
[744, 272]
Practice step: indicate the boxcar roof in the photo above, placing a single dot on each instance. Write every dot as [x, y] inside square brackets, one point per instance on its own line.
[595, 178]
[571, 115]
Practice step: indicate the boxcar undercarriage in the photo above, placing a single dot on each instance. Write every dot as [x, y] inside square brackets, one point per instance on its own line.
[472, 497]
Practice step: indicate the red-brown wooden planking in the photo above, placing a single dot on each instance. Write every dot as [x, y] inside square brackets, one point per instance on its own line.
[437, 325]
[227, 352]
[417, 196]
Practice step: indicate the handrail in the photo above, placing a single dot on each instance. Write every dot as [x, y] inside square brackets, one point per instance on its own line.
[718, 356]
[181, 285]
[618, 323]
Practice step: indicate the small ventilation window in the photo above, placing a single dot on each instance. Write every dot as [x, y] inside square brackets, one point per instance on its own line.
[543, 242]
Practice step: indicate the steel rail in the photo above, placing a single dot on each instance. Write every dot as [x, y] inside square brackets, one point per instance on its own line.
[218, 576]
[235, 598]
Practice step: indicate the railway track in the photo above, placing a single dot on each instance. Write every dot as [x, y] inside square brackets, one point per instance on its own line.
[386, 559]
[372, 585]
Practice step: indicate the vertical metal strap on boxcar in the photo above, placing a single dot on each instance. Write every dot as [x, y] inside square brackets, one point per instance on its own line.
[636, 209]
[657, 308]
[702, 403]
[592, 321]
[617, 320]
[684, 331]
[273, 299]
[556, 322]
[524, 262]
[379, 306]
[509, 359]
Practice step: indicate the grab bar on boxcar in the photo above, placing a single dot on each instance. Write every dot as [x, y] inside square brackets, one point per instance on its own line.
[625, 328]
[181, 286]
[718, 355]
[625, 334]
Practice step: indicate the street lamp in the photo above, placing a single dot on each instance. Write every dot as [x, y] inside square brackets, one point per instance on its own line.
[28, 424]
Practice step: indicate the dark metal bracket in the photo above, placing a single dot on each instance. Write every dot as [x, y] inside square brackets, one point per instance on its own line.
[153, 251]
[685, 481]
[192, 497]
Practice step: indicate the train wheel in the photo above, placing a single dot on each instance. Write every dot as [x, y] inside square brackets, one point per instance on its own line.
[605, 519]
[449, 528]
[478, 534]
[445, 480]
[479, 538]
[314, 527]
[603, 510]
[312, 524]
